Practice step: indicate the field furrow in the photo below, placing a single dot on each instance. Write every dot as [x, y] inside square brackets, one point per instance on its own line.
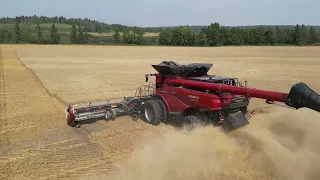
[4, 139]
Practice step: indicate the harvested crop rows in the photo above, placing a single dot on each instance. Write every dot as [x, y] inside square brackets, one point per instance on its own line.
[36, 142]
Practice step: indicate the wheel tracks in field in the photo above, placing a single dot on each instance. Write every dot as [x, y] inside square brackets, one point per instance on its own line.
[3, 122]
[69, 172]
[5, 141]
[10, 128]
[118, 134]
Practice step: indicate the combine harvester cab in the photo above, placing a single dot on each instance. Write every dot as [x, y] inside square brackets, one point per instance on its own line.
[188, 94]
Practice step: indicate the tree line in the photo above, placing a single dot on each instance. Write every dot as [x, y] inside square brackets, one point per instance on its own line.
[88, 24]
[96, 26]
[212, 35]
[18, 36]
[77, 35]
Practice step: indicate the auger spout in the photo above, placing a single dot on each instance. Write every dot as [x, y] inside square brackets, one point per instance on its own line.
[301, 96]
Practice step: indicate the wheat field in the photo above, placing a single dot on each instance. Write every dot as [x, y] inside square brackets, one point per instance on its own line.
[38, 81]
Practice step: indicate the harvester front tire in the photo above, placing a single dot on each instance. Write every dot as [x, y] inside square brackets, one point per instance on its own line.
[164, 110]
[153, 112]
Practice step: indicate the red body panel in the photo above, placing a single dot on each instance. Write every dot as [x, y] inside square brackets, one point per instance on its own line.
[71, 115]
[159, 79]
[249, 92]
[177, 99]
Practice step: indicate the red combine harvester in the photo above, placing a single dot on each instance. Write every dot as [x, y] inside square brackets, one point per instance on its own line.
[188, 94]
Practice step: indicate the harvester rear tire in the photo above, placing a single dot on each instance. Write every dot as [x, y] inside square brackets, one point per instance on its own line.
[153, 112]
[191, 122]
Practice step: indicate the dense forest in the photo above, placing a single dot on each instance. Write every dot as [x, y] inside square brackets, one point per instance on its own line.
[61, 30]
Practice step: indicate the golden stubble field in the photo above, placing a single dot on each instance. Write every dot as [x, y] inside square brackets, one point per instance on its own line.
[279, 144]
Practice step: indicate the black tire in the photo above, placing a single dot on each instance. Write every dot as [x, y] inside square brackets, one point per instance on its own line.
[108, 115]
[164, 110]
[191, 122]
[153, 112]
[73, 124]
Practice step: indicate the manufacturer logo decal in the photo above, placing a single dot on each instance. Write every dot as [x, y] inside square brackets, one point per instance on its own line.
[193, 97]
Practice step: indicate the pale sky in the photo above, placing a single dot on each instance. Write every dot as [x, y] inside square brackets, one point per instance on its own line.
[173, 12]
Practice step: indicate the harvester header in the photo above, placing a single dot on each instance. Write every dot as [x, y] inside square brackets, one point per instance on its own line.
[187, 93]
